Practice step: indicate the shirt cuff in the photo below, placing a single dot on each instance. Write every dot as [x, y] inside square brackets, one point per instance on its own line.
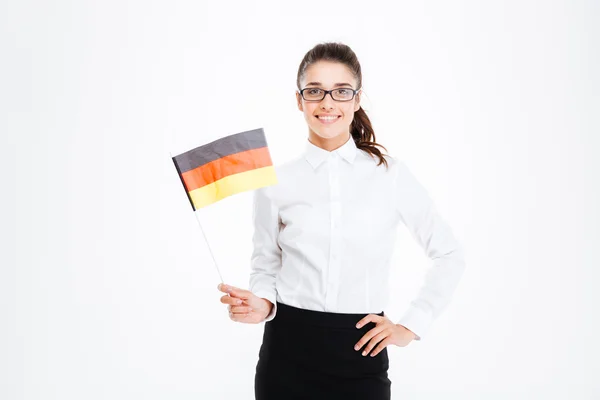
[417, 321]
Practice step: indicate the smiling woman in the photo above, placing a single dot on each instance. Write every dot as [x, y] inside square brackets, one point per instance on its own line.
[323, 241]
[330, 75]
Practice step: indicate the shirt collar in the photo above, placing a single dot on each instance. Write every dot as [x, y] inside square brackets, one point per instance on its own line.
[316, 155]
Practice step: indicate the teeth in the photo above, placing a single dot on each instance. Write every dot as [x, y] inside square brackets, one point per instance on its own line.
[329, 118]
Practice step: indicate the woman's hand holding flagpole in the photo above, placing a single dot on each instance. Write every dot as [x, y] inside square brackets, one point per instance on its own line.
[224, 167]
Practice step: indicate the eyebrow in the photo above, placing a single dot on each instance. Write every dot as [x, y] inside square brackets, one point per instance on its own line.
[336, 85]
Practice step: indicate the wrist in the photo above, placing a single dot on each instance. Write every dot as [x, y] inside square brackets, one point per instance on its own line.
[269, 305]
[406, 329]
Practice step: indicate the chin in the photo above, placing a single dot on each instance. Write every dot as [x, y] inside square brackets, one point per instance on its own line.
[325, 133]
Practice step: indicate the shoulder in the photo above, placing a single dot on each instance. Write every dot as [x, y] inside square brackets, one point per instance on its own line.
[289, 169]
[285, 173]
[399, 172]
[395, 163]
[290, 165]
[398, 164]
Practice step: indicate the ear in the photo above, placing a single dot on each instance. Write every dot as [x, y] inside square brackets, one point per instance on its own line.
[299, 102]
[357, 101]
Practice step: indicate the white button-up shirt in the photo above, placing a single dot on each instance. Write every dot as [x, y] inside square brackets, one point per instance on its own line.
[325, 233]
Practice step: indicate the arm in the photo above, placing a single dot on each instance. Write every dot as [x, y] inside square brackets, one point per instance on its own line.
[419, 214]
[266, 255]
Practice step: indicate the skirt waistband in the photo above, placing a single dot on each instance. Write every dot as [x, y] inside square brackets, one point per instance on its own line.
[294, 315]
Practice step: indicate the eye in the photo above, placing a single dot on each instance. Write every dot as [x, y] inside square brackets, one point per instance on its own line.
[314, 91]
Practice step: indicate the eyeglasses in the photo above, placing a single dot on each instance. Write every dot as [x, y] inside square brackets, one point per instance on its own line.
[316, 94]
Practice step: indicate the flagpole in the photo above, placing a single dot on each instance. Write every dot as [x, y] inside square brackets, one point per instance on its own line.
[209, 249]
[205, 239]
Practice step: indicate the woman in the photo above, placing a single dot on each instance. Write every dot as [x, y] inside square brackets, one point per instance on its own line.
[323, 239]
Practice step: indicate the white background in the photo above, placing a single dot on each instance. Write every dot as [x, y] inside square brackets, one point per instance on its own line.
[107, 287]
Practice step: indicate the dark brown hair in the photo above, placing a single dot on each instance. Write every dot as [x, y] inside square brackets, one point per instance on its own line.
[360, 129]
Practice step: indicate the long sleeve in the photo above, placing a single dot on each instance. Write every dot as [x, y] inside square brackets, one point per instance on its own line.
[266, 254]
[418, 212]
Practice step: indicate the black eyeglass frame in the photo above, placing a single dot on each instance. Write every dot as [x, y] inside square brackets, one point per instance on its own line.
[329, 92]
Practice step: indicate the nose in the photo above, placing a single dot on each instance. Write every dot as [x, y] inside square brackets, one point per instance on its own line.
[328, 101]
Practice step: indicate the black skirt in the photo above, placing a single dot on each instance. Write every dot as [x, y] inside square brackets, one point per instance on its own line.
[308, 354]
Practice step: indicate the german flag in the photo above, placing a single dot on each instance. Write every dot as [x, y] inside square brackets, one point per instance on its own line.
[230, 165]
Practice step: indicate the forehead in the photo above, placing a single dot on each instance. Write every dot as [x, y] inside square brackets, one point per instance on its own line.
[328, 74]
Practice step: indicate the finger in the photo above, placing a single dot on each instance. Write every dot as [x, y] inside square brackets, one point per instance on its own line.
[240, 310]
[223, 287]
[366, 319]
[373, 342]
[367, 336]
[238, 317]
[231, 300]
[382, 345]
[234, 301]
[228, 288]
[240, 293]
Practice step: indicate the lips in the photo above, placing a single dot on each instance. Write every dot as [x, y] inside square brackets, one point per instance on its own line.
[327, 119]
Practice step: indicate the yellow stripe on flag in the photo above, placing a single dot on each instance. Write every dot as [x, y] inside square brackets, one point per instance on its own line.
[233, 184]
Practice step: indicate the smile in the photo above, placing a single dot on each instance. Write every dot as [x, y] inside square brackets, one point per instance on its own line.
[328, 119]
